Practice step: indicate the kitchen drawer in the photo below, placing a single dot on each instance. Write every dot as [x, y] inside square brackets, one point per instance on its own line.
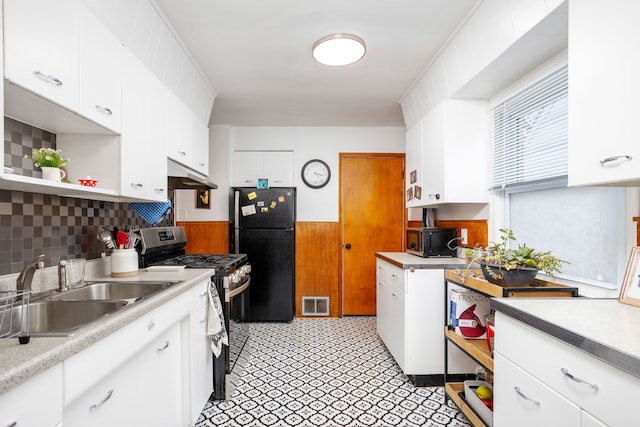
[521, 400]
[382, 269]
[396, 277]
[613, 393]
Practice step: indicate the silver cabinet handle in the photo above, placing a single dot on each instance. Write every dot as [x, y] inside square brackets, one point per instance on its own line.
[12, 424]
[151, 325]
[48, 78]
[105, 400]
[394, 294]
[104, 110]
[182, 153]
[435, 196]
[137, 185]
[159, 190]
[164, 347]
[201, 164]
[625, 158]
[522, 395]
[568, 374]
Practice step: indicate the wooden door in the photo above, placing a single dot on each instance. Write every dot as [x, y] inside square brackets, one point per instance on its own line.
[372, 219]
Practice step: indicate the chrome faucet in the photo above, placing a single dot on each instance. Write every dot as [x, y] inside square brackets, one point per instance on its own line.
[62, 276]
[23, 282]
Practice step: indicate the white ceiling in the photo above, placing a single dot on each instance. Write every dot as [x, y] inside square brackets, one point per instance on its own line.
[256, 54]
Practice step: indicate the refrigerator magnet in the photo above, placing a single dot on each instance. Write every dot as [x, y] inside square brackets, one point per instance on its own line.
[273, 205]
[248, 210]
[264, 210]
[252, 195]
[281, 199]
[260, 203]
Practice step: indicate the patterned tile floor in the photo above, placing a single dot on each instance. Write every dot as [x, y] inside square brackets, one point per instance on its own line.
[325, 372]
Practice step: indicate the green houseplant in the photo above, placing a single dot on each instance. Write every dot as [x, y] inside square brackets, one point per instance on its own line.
[47, 157]
[504, 266]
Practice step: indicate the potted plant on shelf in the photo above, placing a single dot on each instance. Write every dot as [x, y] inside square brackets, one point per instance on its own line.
[50, 161]
[515, 267]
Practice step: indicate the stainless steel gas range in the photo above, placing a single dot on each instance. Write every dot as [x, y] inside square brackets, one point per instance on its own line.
[165, 246]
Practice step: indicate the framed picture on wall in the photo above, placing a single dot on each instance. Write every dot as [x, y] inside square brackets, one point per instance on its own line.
[203, 198]
[418, 192]
[413, 177]
[630, 292]
[410, 194]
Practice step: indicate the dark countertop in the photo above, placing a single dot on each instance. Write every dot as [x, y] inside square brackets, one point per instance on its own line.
[405, 261]
[603, 328]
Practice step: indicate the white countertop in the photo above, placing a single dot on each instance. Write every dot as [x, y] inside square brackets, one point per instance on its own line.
[603, 328]
[22, 361]
[405, 260]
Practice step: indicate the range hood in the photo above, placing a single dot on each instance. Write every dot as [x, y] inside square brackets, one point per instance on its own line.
[182, 177]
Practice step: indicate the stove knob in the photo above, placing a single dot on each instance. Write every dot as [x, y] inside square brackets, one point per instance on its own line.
[235, 278]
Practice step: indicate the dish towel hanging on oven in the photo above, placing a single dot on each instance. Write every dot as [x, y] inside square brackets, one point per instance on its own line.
[215, 321]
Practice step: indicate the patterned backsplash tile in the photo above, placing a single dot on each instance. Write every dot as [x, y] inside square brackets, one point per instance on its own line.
[58, 227]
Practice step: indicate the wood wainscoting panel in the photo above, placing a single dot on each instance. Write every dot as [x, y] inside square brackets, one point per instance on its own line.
[477, 230]
[318, 264]
[206, 237]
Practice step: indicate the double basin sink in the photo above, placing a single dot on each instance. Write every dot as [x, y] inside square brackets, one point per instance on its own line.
[56, 313]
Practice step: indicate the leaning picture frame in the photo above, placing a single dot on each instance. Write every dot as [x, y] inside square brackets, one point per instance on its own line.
[630, 292]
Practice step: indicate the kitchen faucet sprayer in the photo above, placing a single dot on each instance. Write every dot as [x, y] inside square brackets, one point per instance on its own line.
[23, 282]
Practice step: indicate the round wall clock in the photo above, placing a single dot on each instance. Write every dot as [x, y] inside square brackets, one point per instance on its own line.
[316, 173]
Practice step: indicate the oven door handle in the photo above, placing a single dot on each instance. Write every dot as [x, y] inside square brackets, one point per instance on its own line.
[239, 289]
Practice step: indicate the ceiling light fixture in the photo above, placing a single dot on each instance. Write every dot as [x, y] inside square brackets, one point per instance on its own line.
[339, 49]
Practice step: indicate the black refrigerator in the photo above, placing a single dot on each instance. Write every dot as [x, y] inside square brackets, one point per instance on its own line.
[263, 227]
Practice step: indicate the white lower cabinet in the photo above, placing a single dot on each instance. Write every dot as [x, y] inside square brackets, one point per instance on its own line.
[38, 402]
[557, 384]
[521, 400]
[409, 316]
[200, 357]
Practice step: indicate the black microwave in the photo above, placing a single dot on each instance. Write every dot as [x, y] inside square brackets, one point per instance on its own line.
[432, 242]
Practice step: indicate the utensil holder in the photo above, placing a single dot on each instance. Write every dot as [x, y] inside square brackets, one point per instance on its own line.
[124, 263]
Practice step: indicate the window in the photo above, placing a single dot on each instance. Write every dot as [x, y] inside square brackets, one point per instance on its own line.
[584, 226]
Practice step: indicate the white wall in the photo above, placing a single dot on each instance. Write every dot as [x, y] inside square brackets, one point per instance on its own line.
[220, 156]
[306, 143]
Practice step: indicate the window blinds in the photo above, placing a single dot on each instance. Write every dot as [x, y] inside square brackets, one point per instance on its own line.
[530, 135]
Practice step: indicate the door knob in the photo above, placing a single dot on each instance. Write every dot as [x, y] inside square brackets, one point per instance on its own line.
[348, 246]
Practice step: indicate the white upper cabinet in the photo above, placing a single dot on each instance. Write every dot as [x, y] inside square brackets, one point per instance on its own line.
[41, 48]
[413, 162]
[187, 136]
[100, 73]
[604, 65]
[455, 153]
[143, 151]
[276, 166]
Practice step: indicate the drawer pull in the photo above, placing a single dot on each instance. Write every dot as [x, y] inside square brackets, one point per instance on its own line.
[610, 160]
[104, 110]
[522, 395]
[164, 347]
[48, 78]
[567, 374]
[12, 424]
[105, 400]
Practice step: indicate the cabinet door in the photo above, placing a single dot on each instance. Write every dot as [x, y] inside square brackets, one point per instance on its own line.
[110, 402]
[278, 168]
[41, 48]
[159, 380]
[200, 145]
[413, 149]
[433, 134]
[143, 157]
[397, 326]
[603, 116]
[37, 402]
[521, 400]
[100, 72]
[179, 131]
[383, 307]
[201, 363]
[247, 168]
